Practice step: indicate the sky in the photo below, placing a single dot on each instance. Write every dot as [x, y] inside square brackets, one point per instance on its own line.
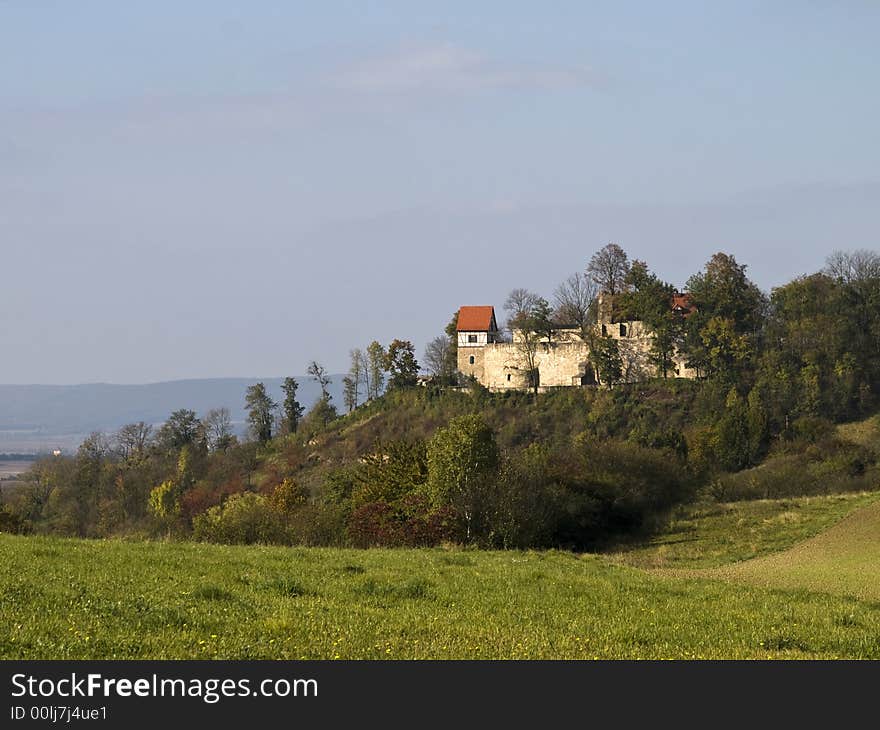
[215, 188]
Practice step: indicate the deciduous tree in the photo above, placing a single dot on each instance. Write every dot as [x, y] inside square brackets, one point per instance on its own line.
[375, 369]
[293, 410]
[401, 364]
[608, 269]
[261, 410]
[463, 461]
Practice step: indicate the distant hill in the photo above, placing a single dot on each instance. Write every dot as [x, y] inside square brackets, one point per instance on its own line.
[40, 417]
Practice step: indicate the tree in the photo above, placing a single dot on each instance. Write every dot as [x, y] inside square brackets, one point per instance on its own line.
[732, 446]
[401, 364]
[853, 267]
[725, 351]
[260, 408]
[132, 440]
[320, 414]
[723, 333]
[319, 373]
[608, 269]
[543, 320]
[438, 359]
[858, 275]
[357, 375]
[181, 429]
[389, 473]
[649, 300]
[288, 497]
[529, 328]
[451, 331]
[574, 300]
[463, 461]
[291, 407]
[722, 289]
[607, 361]
[519, 303]
[164, 500]
[349, 393]
[217, 428]
[759, 432]
[375, 369]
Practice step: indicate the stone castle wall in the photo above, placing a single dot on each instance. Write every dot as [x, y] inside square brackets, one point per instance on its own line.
[564, 362]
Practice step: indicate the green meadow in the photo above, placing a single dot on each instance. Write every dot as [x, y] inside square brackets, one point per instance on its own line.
[814, 597]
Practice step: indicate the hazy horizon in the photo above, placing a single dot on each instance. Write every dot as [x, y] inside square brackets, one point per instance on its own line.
[203, 190]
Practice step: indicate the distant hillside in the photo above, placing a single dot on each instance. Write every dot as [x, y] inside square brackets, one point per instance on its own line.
[38, 417]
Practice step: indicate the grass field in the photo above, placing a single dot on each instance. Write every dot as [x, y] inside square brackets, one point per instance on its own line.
[844, 560]
[715, 534]
[62, 598]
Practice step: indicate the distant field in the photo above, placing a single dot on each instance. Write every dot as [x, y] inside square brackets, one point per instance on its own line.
[62, 598]
[13, 468]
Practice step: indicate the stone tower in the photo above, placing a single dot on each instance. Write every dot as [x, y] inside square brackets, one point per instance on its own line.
[476, 329]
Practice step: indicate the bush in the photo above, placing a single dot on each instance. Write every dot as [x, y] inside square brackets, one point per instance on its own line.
[10, 522]
[412, 522]
[529, 501]
[828, 467]
[243, 519]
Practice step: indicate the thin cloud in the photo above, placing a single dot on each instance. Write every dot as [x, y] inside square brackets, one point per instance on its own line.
[453, 69]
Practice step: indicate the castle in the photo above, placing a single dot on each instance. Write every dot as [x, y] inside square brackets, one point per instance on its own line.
[514, 363]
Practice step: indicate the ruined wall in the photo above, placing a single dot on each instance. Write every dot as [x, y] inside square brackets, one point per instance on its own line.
[559, 364]
[565, 362]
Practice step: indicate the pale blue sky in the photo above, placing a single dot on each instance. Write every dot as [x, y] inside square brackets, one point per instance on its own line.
[223, 188]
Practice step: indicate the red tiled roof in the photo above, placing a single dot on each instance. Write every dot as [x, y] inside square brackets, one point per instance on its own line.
[683, 301]
[476, 319]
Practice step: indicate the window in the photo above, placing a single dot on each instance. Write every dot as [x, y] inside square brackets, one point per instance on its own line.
[472, 338]
[604, 331]
[508, 377]
[471, 359]
[622, 329]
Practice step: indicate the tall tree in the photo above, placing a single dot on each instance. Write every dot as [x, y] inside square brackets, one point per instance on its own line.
[858, 275]
[529, 328]
[349, 393]
[356, 376]
[724, 290]
[292, 409]
[723, 333]
[181, 429]
[260, 408]
[574, 299]
[217, 427]
[608, 269]
[520, 303]
[451, 331]
[607, 361]
[132, 439]
[319, 373]
[463, 461]
[375, 369]
[323, 411]
[438, 360]
[401, 364]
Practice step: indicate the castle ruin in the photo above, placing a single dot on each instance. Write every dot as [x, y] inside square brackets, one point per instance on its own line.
[520, 361]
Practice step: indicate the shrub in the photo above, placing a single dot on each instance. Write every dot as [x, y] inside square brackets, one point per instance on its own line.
[826, 468]
[412, 522]
[243, 519]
